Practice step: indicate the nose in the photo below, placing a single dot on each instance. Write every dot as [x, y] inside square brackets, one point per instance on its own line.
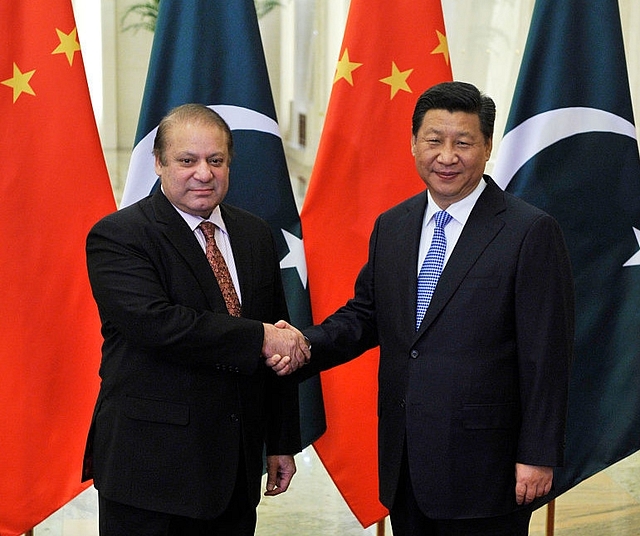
[448, 154]
[203, 171]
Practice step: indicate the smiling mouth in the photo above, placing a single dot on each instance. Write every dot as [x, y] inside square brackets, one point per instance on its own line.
[446, 174]
[203, 190]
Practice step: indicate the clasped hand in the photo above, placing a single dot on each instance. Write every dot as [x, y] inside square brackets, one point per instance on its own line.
[532, 481]
[284, 348]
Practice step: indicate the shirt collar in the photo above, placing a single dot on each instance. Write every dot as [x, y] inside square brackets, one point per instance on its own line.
[194, 221]
[460, 210]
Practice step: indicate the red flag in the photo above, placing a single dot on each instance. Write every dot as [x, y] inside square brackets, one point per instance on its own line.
[54, 185]
[391, 53]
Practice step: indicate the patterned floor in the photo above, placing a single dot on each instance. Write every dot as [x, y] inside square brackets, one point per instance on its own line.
[606, 504]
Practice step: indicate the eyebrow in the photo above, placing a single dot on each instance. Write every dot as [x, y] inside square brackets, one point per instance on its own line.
[191, 154]
[438, 132]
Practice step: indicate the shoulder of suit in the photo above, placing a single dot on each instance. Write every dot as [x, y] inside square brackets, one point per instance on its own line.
[517, 203]
[231, 212]
[417, 201]
[521, 210]
[134, 214]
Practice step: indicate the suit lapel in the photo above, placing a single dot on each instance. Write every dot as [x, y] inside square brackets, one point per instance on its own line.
[242, 254]
[481, 228]
[408, 229]
[181, 237]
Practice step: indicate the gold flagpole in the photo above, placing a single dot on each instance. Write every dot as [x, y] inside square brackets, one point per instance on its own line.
[551, 517]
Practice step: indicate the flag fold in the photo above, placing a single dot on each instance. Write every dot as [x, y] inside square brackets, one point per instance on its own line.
[54, 186]
[390, 54]
[570, 148]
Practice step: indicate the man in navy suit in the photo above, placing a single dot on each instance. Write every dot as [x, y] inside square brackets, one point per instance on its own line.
[187, 401]
[472, 393]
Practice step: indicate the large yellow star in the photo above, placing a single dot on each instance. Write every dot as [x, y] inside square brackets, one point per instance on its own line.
[68, 44]
[19, 82]
[397, 80]
[345, 68]
[443, 47]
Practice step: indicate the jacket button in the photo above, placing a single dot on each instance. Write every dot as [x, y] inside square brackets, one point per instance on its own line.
[414, 354]
[402, 403]
[234, 418]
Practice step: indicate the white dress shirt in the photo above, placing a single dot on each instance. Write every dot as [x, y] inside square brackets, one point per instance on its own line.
[459, 212]
[222, 240]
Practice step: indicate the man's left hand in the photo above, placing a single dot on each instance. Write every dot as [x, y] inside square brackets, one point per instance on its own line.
[532, 481]
[280, 471]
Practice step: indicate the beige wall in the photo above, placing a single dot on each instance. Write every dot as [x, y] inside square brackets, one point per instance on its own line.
[486, 41]
[124, 64]
[125, 61]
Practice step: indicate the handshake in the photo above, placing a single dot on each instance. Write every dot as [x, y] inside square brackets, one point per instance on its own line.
[285, 348]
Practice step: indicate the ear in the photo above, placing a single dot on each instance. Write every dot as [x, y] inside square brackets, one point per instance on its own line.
[413, 145]
[488, 146]
[157, 165]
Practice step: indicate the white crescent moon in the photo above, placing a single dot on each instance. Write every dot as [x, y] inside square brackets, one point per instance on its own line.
[141, 176]
[543, 130]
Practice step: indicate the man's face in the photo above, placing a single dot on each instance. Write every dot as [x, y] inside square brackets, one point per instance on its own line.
[195, 173]
[450, 153]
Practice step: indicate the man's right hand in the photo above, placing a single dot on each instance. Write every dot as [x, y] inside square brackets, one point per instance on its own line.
[284, 348]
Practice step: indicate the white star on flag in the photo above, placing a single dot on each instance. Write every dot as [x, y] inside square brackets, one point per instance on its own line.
[635, 260]
[295, 258]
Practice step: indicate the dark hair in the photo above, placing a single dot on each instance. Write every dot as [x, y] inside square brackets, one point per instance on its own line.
[197, 113]
[456, 97]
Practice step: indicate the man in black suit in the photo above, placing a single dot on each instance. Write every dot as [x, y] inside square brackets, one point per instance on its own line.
[472, 393]
[187, 400]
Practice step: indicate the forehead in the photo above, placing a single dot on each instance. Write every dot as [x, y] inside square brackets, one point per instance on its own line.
[444, 121]
[195, 132]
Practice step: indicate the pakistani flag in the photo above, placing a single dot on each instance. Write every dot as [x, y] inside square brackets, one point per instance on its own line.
[570, 148]
[210, 52]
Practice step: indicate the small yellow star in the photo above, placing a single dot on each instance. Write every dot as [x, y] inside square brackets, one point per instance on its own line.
[68, 44]
[345, 68]
[19, 82]
[397, 80]
[443, 47]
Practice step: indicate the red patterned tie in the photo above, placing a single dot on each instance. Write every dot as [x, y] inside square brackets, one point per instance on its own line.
[220, 269]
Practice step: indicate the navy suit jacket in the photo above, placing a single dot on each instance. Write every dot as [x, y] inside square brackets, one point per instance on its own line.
[185, 393]
[483, 383]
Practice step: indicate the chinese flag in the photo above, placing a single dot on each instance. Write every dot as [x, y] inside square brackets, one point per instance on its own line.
[391, 53]
[53, 185]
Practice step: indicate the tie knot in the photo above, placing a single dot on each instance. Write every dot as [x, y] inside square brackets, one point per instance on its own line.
[442, 217]
[208, 229]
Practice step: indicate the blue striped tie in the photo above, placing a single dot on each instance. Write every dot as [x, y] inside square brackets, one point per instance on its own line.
[432, 266]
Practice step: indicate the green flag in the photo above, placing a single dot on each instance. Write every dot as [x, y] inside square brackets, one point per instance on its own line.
[570, 148]
[211, 52]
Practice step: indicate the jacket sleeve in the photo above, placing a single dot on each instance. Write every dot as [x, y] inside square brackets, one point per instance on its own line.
[352, 329]
[544, 309]
[282, 396]
[150, 299]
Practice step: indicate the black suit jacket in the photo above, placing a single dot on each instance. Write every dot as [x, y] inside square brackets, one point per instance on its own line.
[185, 393]
[483, 383]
